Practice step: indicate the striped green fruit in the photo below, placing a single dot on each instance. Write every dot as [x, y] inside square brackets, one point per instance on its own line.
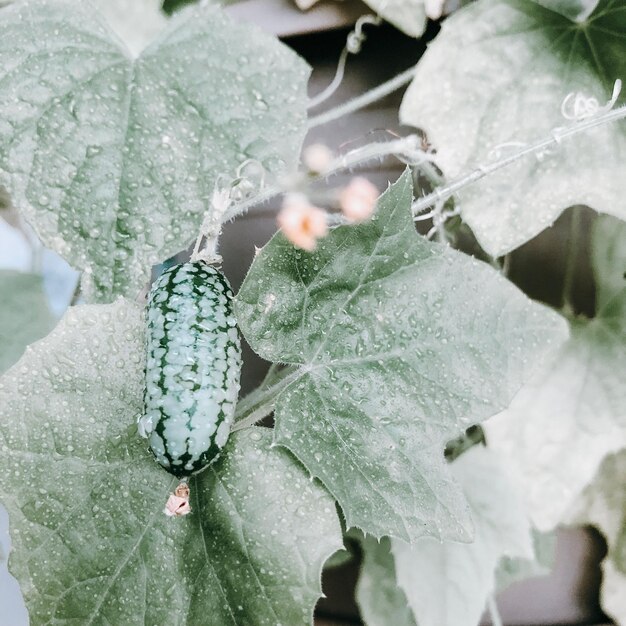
[193, 364]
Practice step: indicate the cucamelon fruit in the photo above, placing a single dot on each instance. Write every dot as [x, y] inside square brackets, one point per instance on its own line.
[193, 364]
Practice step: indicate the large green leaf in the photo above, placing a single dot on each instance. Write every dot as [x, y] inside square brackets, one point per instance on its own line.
[447, 584]
[91, 544]
[114, 160]
[603, 504]
[24, 314]
[497, 73]
[572, 413]
[381, 602]
[401, 344]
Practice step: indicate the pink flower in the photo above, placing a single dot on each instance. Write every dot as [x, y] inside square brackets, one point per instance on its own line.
[301, 222]
[358, 199]
[177, 506]
[317, 157]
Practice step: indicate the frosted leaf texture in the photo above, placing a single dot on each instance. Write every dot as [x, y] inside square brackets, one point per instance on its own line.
[573, 412]
[407, 15]
[401, 343]
[114, 160]
[495, 78]
[447, 584]
[381, 602]
[24, 314]
[85, 497]
[603, 504]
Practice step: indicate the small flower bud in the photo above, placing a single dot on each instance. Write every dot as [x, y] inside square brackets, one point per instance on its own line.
[301, 222]
[317, 157]
[358, 199]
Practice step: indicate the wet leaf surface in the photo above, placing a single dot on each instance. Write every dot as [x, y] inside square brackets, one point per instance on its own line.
[114, 160]
[401, 344]
[85, 497]
[494, 80]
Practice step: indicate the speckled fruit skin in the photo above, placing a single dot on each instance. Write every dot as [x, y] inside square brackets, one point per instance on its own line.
[193, 364]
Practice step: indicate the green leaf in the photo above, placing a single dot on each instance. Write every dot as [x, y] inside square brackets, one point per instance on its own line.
[578, 10]
[343, 556]
[91, 544]
[24, 314]
[571, 414]
[114, 160]
[381, 602]
[136, 22]
[407, 15]
[603, 504]
[401, 344]
[568, 417]
[497, 74]
[514, 569]
[447, 584]
[608, 259]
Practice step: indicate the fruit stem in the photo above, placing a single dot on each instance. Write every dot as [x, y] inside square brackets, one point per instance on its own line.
[260, 402]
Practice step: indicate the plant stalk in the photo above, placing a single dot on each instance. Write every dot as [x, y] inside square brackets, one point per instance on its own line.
[260, 402]
[556, 137]
[492, 607]
[408, 148]
[373, 95]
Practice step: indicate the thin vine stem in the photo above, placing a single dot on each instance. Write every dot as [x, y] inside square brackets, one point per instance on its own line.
[494, 613]
[354, 43]
[406, 148]
[334, 85]
[555, 138]
[507, 261]
[373, 95]
[76, 295]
